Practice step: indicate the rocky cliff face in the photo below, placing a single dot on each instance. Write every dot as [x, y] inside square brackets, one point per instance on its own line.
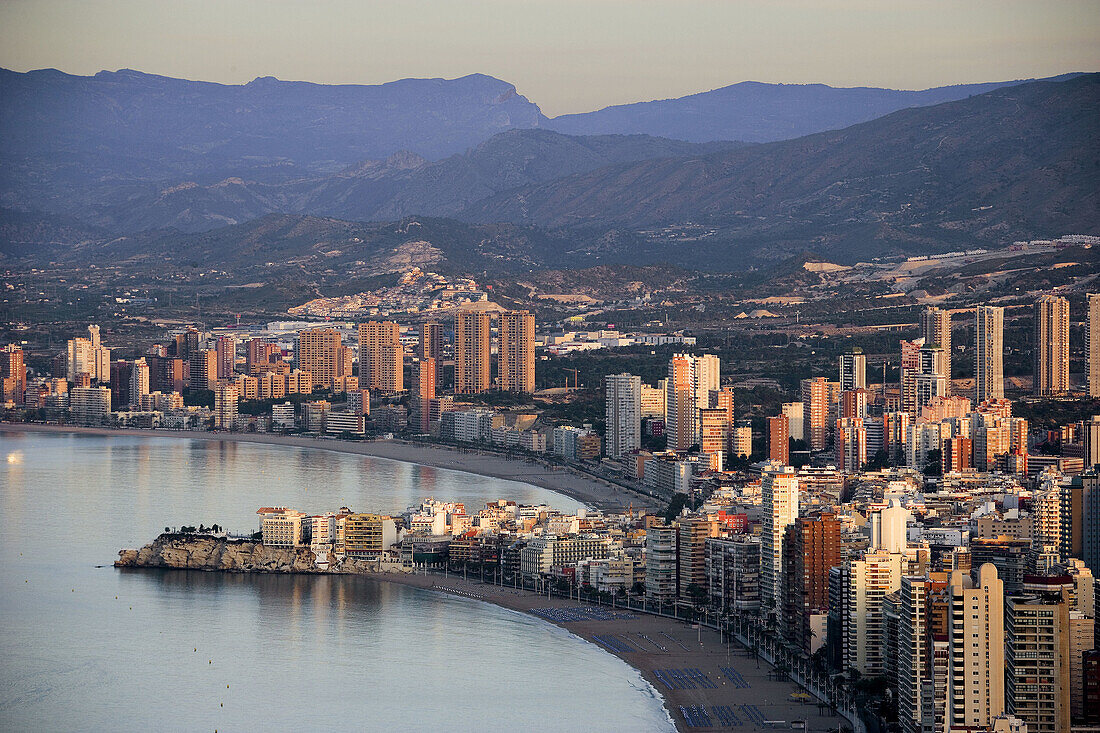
[203, 552]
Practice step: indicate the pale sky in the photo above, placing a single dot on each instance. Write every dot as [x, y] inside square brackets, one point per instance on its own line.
[564, 55]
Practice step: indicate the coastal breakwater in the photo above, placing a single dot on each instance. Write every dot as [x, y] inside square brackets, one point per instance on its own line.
[207, 552]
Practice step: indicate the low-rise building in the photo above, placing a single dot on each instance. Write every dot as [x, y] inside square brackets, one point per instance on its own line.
[544, 553]
[282, 527]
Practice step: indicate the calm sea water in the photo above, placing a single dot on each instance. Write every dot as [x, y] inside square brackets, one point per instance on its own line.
[94, 648]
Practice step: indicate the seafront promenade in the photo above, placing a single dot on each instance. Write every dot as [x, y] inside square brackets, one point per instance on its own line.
[594, 492]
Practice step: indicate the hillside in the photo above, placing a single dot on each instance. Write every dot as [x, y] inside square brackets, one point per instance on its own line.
[757, 112]
[277, 245]
[404, 184]
[1013, 163]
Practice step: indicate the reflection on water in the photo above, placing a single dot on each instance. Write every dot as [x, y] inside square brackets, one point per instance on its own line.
[95, 648]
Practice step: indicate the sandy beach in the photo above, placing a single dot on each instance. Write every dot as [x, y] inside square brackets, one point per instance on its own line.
[593, 492]
[688, 666]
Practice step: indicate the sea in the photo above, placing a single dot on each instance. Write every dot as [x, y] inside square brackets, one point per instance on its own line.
[87, 647]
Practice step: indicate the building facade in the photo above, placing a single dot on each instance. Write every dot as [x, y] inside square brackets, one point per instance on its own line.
[516, 353]
[622, 410]
[472, 352]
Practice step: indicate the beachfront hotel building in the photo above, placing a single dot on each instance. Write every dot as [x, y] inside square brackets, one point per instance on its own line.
[1051, 346]
[282, 416]
[866, 582]
[691, 561]
[317, 352]
[472, 352]
[281, 527]
[661, 563]
[90, 405]
[810, 549]
[516, 352]
[226, 397]
[779, 492]
[369, 536]
[13, 374]
[545, 553]
[733, 572]
[622, 410]
[381, 356]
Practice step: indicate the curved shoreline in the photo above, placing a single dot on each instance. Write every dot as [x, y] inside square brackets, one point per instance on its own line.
[589, 491]
[684, 647]
[657, 647]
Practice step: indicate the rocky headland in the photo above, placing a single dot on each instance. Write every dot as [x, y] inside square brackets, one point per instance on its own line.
[181, 551]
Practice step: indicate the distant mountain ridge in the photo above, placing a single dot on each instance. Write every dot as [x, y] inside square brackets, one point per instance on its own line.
[753, 111]
[1008, 164]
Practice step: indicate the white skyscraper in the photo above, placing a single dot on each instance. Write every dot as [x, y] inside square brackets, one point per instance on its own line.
[622, 407]
[139, 382]
[779, 490]
[989, 349]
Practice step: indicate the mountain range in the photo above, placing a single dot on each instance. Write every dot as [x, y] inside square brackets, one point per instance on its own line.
[1007, 164]
[83, 159]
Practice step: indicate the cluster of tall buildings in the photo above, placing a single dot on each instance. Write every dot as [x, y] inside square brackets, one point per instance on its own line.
[694, 411]
[193, 360]
[971, 606]
[922, 417]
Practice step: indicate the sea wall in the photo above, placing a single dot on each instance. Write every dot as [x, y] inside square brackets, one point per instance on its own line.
[206, 552]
